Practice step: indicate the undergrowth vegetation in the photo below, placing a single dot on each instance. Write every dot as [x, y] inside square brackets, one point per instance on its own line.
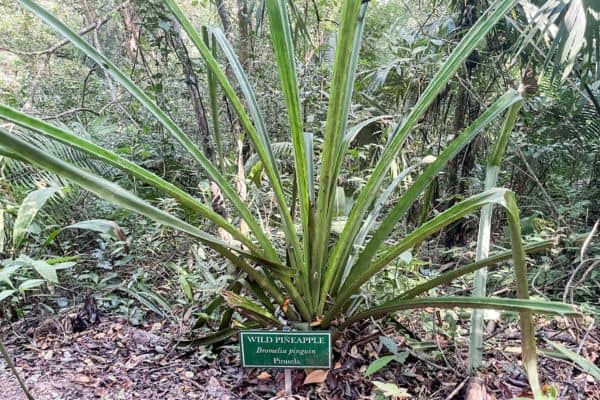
[312, 177]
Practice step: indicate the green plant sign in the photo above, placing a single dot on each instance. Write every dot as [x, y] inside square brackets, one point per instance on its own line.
[281, 349]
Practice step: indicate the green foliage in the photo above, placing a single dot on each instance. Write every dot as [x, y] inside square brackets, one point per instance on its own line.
[19, 269]
[300, 258]
[30, 206]
[484, 235]
[16, 276]
[389, 390]
[585, 364]
[381, 362]
[570, 30]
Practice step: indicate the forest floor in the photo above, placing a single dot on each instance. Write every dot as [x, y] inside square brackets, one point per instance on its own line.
[115, 360]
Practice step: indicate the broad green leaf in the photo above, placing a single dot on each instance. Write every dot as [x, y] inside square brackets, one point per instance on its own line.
[389, 343]
[9, 267]
[105, 226]
[47, 271]
[402, 356]
[29, 208]
[6, 294]
[378, 364]
[31, 284]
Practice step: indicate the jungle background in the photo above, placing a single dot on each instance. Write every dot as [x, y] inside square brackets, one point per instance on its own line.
[122, 320]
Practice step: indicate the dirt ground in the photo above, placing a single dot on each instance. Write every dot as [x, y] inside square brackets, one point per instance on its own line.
[114, 360]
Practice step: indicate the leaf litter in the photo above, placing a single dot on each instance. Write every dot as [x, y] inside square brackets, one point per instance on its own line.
[113, 359]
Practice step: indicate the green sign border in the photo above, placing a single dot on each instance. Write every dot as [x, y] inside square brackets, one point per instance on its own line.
[284, 333]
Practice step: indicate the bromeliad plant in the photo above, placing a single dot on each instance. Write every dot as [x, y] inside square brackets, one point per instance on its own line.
[315, 277]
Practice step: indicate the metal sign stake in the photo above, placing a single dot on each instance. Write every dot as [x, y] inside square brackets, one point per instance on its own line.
[285, 349]
[287, 373]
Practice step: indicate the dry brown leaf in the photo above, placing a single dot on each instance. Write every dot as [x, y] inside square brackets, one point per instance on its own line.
[133, 362]
[513, 349]
[263, 376]
[316, 376]
[477, 390]
[285, 305]
[317, 321]
[188, 374]
[157, 326]
[82, 379]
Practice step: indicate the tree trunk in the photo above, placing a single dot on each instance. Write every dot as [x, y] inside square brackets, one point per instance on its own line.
[191, 80]
[224, 11]
[133, 31]
[466, 111]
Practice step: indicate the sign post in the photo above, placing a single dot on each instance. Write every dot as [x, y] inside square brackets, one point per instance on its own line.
[286, 349]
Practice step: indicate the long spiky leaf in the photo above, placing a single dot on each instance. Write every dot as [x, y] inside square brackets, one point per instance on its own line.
[346, 58]
[157, 112]
[546, 307]
[370, 191]
[283, 46]
[259, 138]
[343, 249]
[123, 198]
[123, 164]
[358, 277]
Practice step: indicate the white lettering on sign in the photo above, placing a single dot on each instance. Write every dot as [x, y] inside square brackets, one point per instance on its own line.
[260, 339]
